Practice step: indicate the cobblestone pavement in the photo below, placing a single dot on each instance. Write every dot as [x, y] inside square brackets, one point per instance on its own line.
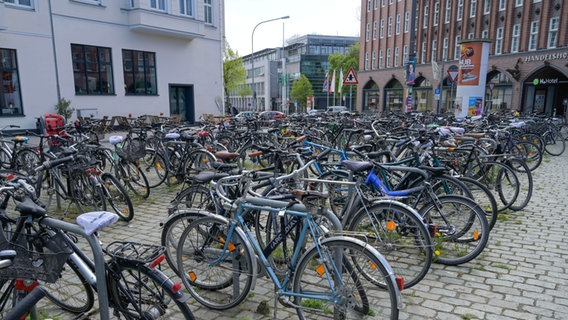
[522, 274]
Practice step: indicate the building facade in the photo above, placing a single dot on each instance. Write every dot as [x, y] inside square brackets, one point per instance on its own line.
[528, 59]
[305, 55]
[110, 57]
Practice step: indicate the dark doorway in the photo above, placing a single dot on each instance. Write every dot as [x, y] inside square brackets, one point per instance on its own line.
[182, 102]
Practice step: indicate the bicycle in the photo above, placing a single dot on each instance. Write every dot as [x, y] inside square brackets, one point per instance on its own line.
[130, 281]
[337, 275]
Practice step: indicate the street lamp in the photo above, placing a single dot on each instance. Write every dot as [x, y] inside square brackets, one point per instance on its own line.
[252, 57]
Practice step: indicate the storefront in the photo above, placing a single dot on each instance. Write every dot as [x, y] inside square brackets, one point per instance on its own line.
[371, 97]
[394, 96]
[422, 91]
[545, 92]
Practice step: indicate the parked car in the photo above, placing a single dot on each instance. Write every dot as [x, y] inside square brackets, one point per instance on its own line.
[272, 115]
[245, 114]
[316, 112]
[336, 109]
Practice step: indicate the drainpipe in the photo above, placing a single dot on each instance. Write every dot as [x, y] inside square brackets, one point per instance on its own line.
[54, 52]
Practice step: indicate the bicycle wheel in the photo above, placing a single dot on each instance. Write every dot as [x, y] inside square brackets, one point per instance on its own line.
[117, 197]
[554, 143]
[135, 179]
[362, 286]
[7, 295]
[398, 233]
[154, 167]
[196, 197]
[26, 161]
[86, 196]
[500, 179]
[524, 175]
[461, 229]
[217, 278]
[529, 152]
[71, 292]
[145, 293]
[484, 198]
[5, 158]
[197, 161]
[172, 230]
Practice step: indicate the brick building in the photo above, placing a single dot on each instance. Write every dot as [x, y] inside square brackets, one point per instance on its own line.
[528, 58]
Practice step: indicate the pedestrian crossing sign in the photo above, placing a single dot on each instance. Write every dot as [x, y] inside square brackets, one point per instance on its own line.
[350, 77]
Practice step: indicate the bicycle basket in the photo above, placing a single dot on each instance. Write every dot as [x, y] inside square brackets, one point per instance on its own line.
[133, 252]
[132, 150]
[44, 262]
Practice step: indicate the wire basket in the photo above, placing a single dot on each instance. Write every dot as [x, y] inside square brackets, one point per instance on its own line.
[44, 262]
[134, 252]
[132, 150]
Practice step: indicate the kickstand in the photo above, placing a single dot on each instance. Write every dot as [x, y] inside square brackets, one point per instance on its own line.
[275, 302]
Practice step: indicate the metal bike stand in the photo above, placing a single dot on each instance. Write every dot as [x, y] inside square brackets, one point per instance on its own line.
[98, 259]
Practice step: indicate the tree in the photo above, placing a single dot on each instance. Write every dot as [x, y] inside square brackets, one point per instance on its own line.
[234, 75]
[63, 107]
[344, 62]
[301, 89]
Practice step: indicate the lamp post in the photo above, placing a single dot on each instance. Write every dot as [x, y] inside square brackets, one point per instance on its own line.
[252, 57]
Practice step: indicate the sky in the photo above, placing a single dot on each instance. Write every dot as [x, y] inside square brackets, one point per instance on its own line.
[323, 17]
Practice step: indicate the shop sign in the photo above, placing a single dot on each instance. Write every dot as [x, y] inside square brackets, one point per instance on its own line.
[543, 81]
[547, 56]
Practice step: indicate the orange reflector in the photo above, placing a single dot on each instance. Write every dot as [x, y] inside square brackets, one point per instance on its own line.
[391, 225]
[373, 266]
[230, 246]
[192, 276]
[400, 282]
[157, 261]
[320, 270]
[159, 165]
[476, 234]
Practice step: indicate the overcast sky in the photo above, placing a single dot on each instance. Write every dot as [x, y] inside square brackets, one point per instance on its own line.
[324, 17]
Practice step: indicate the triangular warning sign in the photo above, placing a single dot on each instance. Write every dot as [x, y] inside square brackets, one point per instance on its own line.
[453, 75]
[350, 77]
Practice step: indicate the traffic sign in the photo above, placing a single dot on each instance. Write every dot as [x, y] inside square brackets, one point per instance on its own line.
[453, 72]
[350, 77]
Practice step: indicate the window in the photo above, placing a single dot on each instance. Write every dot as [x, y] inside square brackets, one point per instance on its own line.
[381, 59]
[382, 29]
[470, 35]
[460, 10]
[436, 13]
[457, 48]
[533, 38]
[368, 5]
[423, 53]
[396, 56]
[374, 30]
[472, 8]
[448, 11]
[10, 94]
[92, 70]
[553, 33]
[405, 51]
[366, 61]
[139, 72]
[382, 3]
[499, 41]
[487, 7]
[425, 23]
[208, 11]
[158, 5]
[397, 26]
[389, 27]
[186, 7]
[502, 5]
[406, 21]
[367, 29]
[445, 49]
[21, 3]
[515, 38]
[373, 61]
[388, 57]
[434, 56]
[376, 4]
[485, 34]
[518, 3]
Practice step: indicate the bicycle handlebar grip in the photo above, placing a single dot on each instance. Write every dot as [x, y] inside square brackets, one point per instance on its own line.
[26, 304]
[52, 163]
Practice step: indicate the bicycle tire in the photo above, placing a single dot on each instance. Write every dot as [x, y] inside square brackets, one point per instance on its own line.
[529, 152]
[154, 167]
[197, 161]
[484, 198]
[117, 197]
[5, 158]
[372, 294]
[196, 197]
[524, 175]
[26, 161]
[134, 179]
[65, 293]
[554, 143]
[500, 179]
[86, 196]
[216, 281]
[146, 293]
[172, 230]
[399, 234]
[462, 230]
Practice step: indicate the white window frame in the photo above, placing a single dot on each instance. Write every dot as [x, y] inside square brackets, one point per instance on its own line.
[518, 3]
[373, 60]
[211, 13]
[159, 5]
[405, 52]
[423, 53]
[445, 44]
[472, 8]
[17, 3]
[382, 29]
[406, 21]
[457, 48]
[381, 59]
[502, 5]
[389, 27]
[396, 56]
[425, 22]
[436, 13]
[470, 35]
[183, 8]
[515, 38]
[376, 4]
[397, 24]
[375, 30]
[553, 33]
[485, 34]
[498, 41]
[366, 61]
[388, 58]
[460, 10]
[382, 3]
[486, 6]
[367, 32]
[533, 37]
[368, 5]
[448, 11]
[434, 50]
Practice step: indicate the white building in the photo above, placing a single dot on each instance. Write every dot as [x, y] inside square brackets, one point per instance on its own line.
[110, 57]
